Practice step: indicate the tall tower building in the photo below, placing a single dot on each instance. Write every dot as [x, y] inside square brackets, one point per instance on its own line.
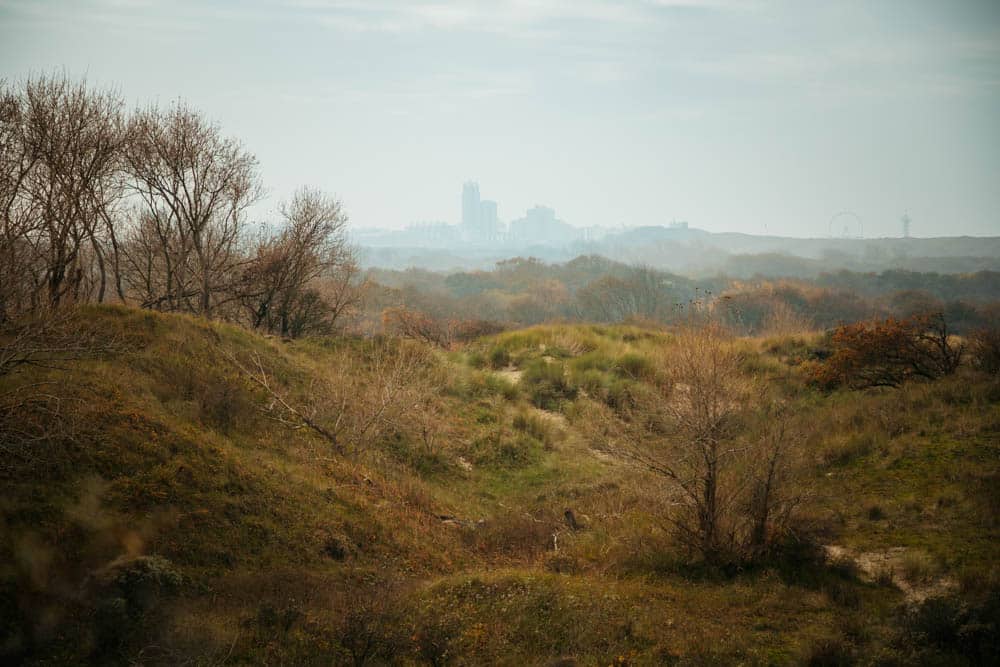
[489, 224]
[470, 207]
[906, 226]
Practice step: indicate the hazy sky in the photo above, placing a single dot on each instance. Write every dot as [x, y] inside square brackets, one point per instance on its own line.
[734, 115]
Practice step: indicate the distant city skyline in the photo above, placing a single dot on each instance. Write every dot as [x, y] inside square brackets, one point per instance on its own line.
[478, 220]
[750, 116]
[478, 224]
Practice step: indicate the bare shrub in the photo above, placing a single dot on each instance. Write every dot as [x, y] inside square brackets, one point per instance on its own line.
[370, 629]
[35, 411]
[355, 399]
[783, 320]
[726, 482]
[771, 500]
[985, 349]
[415, 324]
[468, 330]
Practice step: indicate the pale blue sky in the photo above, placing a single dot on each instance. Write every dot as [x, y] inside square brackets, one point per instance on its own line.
[736, 115]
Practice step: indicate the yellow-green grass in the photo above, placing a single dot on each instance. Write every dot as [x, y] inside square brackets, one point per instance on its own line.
[280, 538]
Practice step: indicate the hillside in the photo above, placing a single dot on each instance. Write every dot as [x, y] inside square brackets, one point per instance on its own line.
[175, 513]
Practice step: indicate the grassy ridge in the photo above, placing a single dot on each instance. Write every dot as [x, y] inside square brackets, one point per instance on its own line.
[173, 521]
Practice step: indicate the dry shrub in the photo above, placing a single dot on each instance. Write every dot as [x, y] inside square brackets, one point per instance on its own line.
[417, 325]
[514, 534]
[985, 347]
[442, 332]
[575, 343]
[359, 395]
[783, 320]
[371, 627]
[725, 465]
[35, 404]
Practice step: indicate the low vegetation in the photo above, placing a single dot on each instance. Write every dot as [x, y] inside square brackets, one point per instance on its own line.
[187, 502]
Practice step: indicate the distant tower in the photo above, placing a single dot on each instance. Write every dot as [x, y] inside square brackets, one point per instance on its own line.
[470, 206]
[489, 223]
[906, 226]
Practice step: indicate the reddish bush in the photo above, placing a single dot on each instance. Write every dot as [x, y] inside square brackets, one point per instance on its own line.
[886, 353]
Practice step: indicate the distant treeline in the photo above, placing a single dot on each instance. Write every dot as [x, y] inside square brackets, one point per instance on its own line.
[521, 292]
[783, 264]
[702, 254]
[982, 286]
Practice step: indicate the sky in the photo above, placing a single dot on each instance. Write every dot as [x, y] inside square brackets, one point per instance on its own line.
[733, 115]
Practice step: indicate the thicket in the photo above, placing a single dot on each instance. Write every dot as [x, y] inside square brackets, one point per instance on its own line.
[151, 208]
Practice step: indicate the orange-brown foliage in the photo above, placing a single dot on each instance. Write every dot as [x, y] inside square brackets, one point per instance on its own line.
[886, 353]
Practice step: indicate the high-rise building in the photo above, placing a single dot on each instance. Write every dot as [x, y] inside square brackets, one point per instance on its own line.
[471, 208]
[906, 226]
[489, 224]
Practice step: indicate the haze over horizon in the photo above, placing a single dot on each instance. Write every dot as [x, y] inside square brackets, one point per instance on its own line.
[743, 116]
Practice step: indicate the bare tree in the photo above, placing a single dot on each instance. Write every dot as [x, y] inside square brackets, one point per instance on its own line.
[78, 137]
[195, 187]
[61, 145]
[18, 217]
[302, 279]
[73, 168]
[642, 293]
[60, 182]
